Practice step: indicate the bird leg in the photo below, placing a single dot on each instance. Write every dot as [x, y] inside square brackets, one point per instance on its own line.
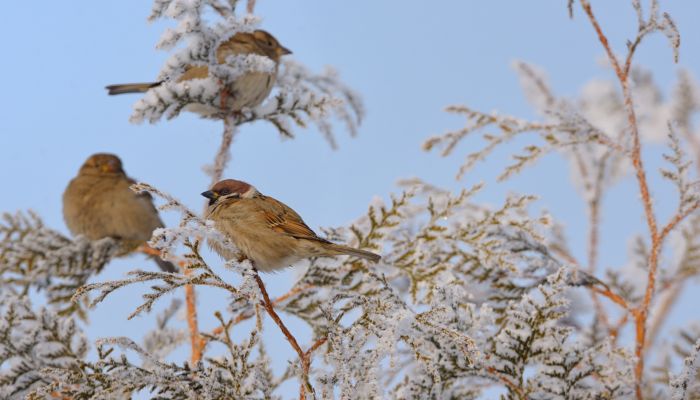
[304, 358]
[224, 98]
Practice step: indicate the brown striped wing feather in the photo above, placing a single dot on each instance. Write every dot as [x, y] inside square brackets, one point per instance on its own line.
[283, 219]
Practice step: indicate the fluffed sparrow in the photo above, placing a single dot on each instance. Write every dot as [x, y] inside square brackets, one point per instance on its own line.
[248, 90]
[98, 204]
[265, 230]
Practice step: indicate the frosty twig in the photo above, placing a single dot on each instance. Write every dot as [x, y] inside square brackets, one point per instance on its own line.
[657, 237]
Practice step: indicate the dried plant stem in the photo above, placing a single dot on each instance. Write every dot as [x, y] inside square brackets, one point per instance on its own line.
[512, 385]
[640, 314]
[657, 238]
[614, 297]
[671, 295]
[594, 235]
[250, 314]
[197, 344]
[615, 331]
[146, 249]
[250, 7]
[195, 340]
[220, 161]
[304, 356]
[216, 171]
[594, 209]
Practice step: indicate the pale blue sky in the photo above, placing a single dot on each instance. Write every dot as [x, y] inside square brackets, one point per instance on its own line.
[408, 59]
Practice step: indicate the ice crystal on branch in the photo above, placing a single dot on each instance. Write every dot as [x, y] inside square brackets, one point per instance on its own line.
[112, 376]
[468, 299]
[34, 257]
[33, 341]
[163, 339]
[686, 385]
[689, 198]
[301, 96]
[587, 131]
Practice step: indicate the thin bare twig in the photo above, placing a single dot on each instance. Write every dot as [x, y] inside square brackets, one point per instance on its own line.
[223, 154]
[512, 385]
[614, 297]
[196, 342]
[640, 173]
[304, 357]
[657, 237]
[220, 161]
[245, 315]
[191, 304]
[250, 7]
[593, 235]
[615, 331]
[663, 310]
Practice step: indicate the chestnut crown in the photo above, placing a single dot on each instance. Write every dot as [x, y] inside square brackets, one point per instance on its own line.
[229, 189]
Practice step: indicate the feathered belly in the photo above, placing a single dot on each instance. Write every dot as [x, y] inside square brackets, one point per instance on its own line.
[248, 91]
[251, 89]
[267, 253]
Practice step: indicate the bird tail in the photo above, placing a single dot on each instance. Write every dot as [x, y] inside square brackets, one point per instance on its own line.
[367, 255]
[165, 266]
[131, 87]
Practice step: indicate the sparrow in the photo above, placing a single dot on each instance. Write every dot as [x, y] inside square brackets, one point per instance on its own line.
[98, 203]
[265, 230]
[248, 90]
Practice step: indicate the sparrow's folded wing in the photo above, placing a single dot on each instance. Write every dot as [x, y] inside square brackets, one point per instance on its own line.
[194, 72]
[283, 219]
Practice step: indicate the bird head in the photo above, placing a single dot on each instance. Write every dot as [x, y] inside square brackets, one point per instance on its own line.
[269, 45]
[101, 164]
[257, 42]
[229, 189]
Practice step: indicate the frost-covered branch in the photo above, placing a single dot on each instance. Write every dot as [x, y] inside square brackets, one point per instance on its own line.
[33, 341]
[656, 236]
[302, 97]
[34, 257]
[189, 233]
[685, 384]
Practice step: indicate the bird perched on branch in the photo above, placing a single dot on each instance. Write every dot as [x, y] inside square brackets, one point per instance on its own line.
[98, 203]
[247, 90]
[265, 230]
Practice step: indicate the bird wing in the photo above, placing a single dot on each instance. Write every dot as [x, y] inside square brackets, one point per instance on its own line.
[194, 72]
[142, 212]
[281, 218]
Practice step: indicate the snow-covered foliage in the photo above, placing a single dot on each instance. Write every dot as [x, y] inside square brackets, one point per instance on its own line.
[469, 301]
[34, 257]
[301, 96]
[33, 342]
[687, 384]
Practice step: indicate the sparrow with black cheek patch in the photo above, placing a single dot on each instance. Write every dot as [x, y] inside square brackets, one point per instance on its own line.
[98, 203]
[265, 230]
[248, 90]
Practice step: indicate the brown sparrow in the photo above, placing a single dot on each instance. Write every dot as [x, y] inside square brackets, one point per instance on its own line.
[265, 230]
[98, 204]
[248, 90]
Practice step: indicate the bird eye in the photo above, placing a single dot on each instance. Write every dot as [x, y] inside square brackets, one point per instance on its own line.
[224, 192]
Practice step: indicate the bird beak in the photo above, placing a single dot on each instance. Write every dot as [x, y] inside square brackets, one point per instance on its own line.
[210, 195]
[284, 51]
